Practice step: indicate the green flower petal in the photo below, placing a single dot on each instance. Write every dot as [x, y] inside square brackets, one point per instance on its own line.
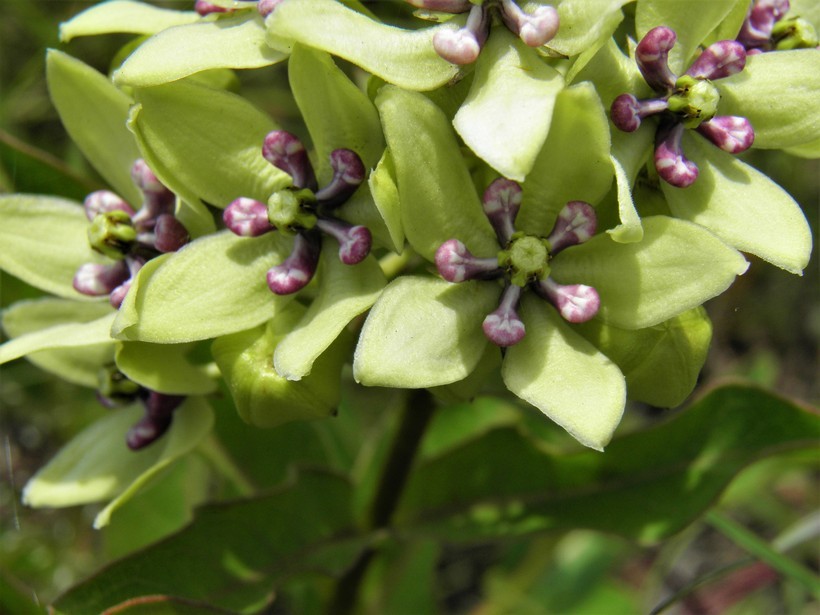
[610, 70]
[743, 207]
[213, 286]
[423, 332]
[629, 153]
[232, 42]
[123, 16]
[405, 58]
[564, 376]
[661, 363]
[439, 201]
[585, 24]
[805, 150]
[165, 368]
[344, 292]
[68, 335]
[382, 184]
[205, 144]
[507, 113]
[777, 93]
[677, 266]
[94, 113]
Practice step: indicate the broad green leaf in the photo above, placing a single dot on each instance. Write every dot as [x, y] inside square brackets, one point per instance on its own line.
[692, 21]
[213, 286]
[165, 368]
[127, 315]
[508, 110]
[402, 57]
[743, 207]
[205, 143]
[123, 16]
[777, 93]
[585, 24]
[438, 200]
[45, 240]
[344, 292]
[423, 332]
[564, 376]
[94, 113]
[80, 364]
[661, 363]
[68, 335]
[574, 163]
[304, 526]
[351, 122]
[677, 266]
[403, 578]
[233, 42]
[628, 155]
[263, 397]
[385, 193]
[97, 465]
[647, 486]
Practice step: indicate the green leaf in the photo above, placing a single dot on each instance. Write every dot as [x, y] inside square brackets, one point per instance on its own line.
[743, 207]
[232, 42]
[302, 527]
[437, 195]
[94, 113]
[574, 164]
[661, 363]
[79, 364]
[263, 397]
[777, 93]
[68, 335]
[677, 266]
[423, 332]
[123, 16]
[165, 368]
[404, 58]
[351, 123]
[213, 286]
[344, 292]
[508, 110]
[45, 240]
[96, 465]
[564, 376]
[647, 486]
[585, 24]
[385, 193]
[205, 144]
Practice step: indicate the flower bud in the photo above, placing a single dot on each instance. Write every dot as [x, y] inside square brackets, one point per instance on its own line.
[456, 263]
[732, 134]
[534, 29]
[169, 234]
[504, 327]
[247, 218]
[96, 280]
[298, 269]
[501, 202]
[576, 224]
[672, 166]
[348, 174]
[462, 46]
[286, 152]
[354, 241]
[103, 201]
[575, 302]
[652, 55]
[266, 7]
[719, 60]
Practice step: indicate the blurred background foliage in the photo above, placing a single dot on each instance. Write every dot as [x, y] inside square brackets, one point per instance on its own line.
[767, 328]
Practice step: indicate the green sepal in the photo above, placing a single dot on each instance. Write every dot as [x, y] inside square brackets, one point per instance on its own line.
[742, 206]
[661, 363]
[385, 193]
[264, 398]
[402, 57]
[438, 200]
[205, 144]
[585, 24]
[94, 114]
[44, 242]
[233, 42]
[508, 110]
[424, 332]
[213, 286]
[564, 376]
[777, 93]
[677, 266]
[165, 368]
[123, 16]
[79, 364]
[344, 292]
[96, 465]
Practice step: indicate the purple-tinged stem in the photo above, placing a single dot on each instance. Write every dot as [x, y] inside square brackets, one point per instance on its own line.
[503, 327]
[159, 412]
[672, 166]
[536, 28]
[501, 202]
[354, 241]
[298, 269]
[462, 46]
[266, 7]
[627, 112]
[652, 56]
[169, 234]
[575, 302]
[203, 7]
[348, 174]
[247, 217]
[286, 152]
[576, 223]
[455, 263]
[730, 133]
[719, 60]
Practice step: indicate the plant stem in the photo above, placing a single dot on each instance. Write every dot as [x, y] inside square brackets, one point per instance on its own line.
[416, 416]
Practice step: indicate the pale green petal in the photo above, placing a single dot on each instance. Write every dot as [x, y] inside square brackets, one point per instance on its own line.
[507, 114]
[124, 16]
[564, 376]
[232, 42]
[611, 71]
[438, 199]
[424, 332]
[405, 58]
[344, 292]
[213, 286]
[94, 113]
[164, 368]
[68, 335]
[45, 240]
[629, 152]
[743, 207]
[677, 266]
[585, 24]
[805, 150]
[382, 183]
